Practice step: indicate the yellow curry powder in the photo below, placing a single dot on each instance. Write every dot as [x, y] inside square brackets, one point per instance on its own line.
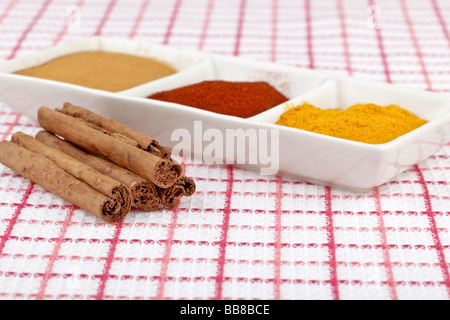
[367, 123]
[101, 70]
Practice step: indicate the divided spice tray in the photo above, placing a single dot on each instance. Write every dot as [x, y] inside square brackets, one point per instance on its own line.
[308, 156]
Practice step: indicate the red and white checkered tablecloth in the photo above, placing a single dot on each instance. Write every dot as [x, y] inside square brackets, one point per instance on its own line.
[241, 235]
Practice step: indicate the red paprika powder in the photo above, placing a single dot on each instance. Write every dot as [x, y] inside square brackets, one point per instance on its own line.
[240, 99]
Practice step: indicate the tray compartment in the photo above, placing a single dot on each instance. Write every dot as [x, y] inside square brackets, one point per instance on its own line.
[354, 165]
[289, 81]
[190, 64]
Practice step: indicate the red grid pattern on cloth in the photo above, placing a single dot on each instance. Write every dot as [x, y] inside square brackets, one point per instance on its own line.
[241, 235]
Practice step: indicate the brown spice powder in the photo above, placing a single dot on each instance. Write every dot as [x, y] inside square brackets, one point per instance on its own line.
[101, 70]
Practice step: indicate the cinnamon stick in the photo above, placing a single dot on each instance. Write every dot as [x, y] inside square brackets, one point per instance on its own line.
[184, 186]
[44, 172]
[162, 172]
[117, 129]
[144, 193]
[103, 184]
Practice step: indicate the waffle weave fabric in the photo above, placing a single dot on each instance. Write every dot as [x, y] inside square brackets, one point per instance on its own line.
[241, 235]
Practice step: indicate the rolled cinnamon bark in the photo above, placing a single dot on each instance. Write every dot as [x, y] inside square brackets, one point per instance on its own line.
[184, 186]
[44, 172]
[162, 172]
[117, 129]
[103, 184]
[143, 192]
[188, 185]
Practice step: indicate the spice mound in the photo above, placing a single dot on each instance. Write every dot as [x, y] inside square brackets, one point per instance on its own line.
[101, 70]
[97, 164]
[367, 123]
[240, 99]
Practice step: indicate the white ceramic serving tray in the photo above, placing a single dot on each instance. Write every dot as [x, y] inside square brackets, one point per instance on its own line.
[309, 156]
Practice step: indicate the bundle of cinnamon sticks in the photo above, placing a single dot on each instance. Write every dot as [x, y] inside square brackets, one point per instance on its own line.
[97, 164]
